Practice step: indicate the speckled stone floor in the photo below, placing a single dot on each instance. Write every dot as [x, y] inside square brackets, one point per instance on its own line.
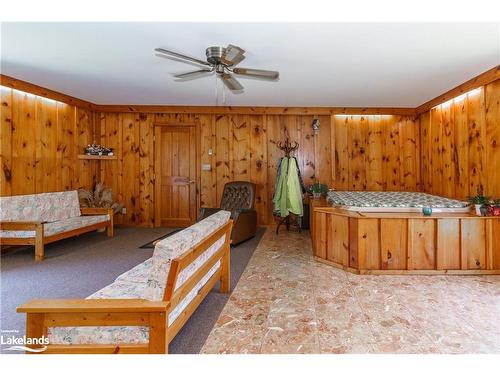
[286, 302]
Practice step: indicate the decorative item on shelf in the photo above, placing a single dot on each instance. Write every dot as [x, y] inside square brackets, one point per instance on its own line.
[479, 201]
[94, 149]
[317, 189]
[493, 207]
[315, 125]
[427, 211]
[100, 196]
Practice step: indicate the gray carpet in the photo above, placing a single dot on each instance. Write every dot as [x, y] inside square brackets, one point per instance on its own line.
[77, 267]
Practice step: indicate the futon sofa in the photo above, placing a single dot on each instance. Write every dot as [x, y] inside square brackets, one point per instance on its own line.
[144, 308]
[238, 197]
[38, 219]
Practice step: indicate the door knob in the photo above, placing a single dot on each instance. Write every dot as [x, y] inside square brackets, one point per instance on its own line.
[191, 181]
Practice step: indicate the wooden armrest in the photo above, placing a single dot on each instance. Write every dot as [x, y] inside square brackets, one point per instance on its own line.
[96, 211]
[20, 225]
[92, 305]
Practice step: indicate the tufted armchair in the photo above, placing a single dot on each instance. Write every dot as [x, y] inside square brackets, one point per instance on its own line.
[237, 197]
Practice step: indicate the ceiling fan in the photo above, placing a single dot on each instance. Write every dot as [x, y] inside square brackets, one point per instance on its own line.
[222, 61]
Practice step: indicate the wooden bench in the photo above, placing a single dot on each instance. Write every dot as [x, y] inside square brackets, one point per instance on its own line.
[45, 314]
[17, 219]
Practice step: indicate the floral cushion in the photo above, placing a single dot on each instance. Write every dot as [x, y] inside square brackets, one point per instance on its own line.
[65, 225]
[120, 334]
[40, 207]
[175, 313]
[104, 335]
[120, 289]
[198, 262]
[174, 246]
[139, 273]
[136, 283]
[98, 335]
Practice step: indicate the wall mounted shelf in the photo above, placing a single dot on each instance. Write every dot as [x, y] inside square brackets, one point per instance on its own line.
[97, 157]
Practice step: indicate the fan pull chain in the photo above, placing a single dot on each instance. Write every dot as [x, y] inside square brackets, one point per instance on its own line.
[224, 95]
[216, 91]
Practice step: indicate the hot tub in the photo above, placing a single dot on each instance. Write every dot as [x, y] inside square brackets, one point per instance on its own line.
[393, 201]
[393, 240]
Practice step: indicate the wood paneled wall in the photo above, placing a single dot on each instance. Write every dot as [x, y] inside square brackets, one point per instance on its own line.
[461, 144]
[449, 150]
[375, 153]
[131, 176]
[40, 139]
[350, 152]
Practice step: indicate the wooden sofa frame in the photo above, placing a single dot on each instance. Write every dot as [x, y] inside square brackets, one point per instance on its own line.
[41, 314]
[40, 240]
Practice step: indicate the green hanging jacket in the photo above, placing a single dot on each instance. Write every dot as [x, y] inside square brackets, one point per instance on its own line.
[294, 193]
[288, 192]
[280, 195]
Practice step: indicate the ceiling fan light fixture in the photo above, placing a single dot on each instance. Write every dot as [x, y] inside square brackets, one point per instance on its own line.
[220, 69]
[221, 60]
[214, 54]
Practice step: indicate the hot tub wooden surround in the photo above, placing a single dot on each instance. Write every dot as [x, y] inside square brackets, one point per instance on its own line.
[405, 243]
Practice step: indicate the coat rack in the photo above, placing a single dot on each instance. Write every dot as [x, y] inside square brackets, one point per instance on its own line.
[288, 147]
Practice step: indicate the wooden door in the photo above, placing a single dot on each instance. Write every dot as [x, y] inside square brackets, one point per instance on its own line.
[175, 176]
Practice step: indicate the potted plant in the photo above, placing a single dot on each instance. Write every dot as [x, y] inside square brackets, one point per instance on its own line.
[479, 201]
[317, 189]
[99, 196]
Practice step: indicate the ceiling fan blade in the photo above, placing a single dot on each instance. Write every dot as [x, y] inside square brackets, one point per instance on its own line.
[181, 56]
[176, 59]
[193, 75]
[258, 73]
[231, 82]
[233, 55]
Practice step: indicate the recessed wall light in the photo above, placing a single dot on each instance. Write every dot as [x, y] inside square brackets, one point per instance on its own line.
[32, 95]
[359, 115]
[460, 98]
[21, 92]
[475, 91]
[52, 101]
